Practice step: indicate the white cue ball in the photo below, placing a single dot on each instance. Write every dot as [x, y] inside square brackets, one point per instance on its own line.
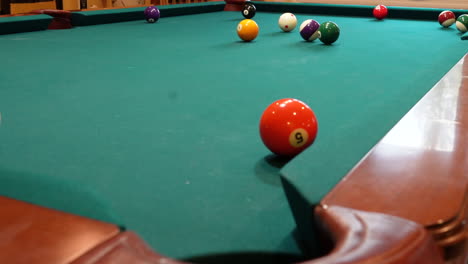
[287, 22]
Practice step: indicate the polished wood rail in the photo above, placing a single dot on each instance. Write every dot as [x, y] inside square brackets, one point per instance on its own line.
[361, 238]
[418, 170]
[35, 234]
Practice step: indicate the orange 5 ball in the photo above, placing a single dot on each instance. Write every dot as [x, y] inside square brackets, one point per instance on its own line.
[247, 30]
[288, 126]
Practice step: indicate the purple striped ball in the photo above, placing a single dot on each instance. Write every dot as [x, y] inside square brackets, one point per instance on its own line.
[309, 30]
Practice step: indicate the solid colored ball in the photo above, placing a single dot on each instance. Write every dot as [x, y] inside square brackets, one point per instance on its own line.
[446, 18]
[247, 30]
[152, 14]
[249, 10]
[329, 32]
[380, 12]
[287, 22]
[288, 126]
[309, 30]
[462, 23]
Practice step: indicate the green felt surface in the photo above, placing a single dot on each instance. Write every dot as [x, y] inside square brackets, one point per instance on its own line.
[155, 126]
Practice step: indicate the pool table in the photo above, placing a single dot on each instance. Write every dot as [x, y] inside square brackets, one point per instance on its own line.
[148, 133]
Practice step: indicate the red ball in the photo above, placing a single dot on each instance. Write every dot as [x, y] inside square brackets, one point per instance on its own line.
[446, 18]
[380, 12]
[288, 126]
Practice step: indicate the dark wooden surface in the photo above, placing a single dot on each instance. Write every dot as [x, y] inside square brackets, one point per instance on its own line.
[363, 237]
[32, 234]
[360, 237]
[126, 248]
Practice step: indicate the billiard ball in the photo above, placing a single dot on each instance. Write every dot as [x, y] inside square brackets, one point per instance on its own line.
[152, 14]
[288, 126]
[287, 22]
[380, 12]
[247, 30]
[446, 18]
[309, 30]
[462, 23]
[329, 32]
[249, 10]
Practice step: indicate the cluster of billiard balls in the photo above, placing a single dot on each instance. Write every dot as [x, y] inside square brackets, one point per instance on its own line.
[310, 29]
[447, 18]
[288, 126]
[327, 32]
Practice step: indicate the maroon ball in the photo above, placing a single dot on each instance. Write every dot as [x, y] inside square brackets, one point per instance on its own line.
[152, 14]
[447, 18]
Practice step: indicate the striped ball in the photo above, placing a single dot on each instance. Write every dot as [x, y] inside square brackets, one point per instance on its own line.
[446, 18]
[462, 23]
[309, 30]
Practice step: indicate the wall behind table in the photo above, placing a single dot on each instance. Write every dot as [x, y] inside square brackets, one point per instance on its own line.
[26, 6]
[73, 5]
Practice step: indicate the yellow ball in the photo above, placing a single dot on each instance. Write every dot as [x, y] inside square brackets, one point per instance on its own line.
[247, 30]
